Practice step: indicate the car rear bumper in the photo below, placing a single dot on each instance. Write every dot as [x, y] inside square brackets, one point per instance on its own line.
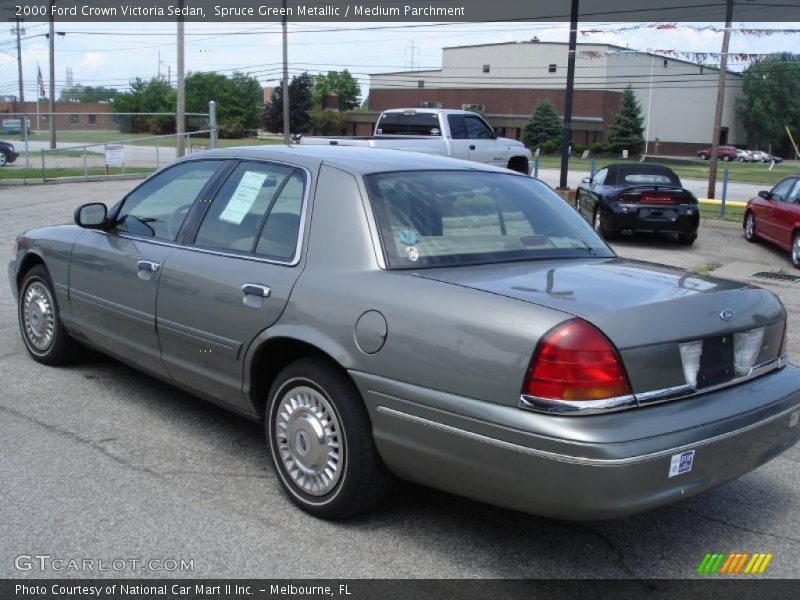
[12, 277]
[582, 468]
[681, 218]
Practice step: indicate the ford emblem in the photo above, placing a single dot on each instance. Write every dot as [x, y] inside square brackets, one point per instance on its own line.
[727, 314]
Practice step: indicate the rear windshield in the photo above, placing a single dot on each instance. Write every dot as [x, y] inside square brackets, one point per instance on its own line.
[648, 178]
[409, 124]
[445, 218]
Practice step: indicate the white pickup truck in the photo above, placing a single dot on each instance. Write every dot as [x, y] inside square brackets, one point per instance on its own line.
[456, 133]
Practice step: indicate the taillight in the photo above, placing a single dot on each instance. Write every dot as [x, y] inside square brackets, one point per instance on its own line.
[575, 361]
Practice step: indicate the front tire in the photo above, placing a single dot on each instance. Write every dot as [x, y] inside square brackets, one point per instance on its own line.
[3, 159]
[45, 336]
[704, 156]
[796, 250]
[726, 158]
[750, 228]
[321, 444]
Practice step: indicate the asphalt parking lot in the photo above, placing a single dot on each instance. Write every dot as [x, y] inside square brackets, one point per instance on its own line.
[102, 462]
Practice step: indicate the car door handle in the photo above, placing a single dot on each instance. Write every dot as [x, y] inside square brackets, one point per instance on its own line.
[256, 289]
[472, 146]
[148, 265]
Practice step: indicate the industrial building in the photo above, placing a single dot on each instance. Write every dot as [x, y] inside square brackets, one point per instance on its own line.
[505, 81]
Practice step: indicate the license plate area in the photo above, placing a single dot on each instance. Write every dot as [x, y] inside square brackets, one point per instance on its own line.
[716, 361]
[658, 214]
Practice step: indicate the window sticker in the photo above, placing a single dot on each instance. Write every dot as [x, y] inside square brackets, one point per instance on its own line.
[243, 198]
[412, 253]
[408, 237]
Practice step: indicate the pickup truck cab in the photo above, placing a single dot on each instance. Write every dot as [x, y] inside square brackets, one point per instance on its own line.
[455, 133]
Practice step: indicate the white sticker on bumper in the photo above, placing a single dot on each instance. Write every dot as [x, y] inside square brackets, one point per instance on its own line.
[681, 463]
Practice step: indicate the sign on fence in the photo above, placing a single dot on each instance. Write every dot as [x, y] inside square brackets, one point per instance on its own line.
[115, 155]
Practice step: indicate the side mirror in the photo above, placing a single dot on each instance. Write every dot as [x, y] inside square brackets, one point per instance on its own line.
[91, 216]
[587, 180]
[764, 194]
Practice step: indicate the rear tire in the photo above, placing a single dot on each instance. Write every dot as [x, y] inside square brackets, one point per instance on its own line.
[597, 224]
[726, 158]
[796, 250]
[705, 156]
[3, 159]
[45, 336]
[321, 443]
[750, 233]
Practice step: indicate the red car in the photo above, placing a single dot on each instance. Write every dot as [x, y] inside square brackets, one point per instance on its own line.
[775, 216]
[726, 153]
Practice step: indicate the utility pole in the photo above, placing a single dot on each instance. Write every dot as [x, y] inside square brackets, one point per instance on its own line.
[286, 138]
[24, 119]
[566, 138]
[413, 51]
[52, 39]
[180, 117]
[723, 67]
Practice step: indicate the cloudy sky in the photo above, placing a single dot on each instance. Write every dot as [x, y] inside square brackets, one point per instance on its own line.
[111, 54]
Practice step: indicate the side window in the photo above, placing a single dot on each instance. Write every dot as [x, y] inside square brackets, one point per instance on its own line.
[239, 212]
[458, 129]
[158, 207]
[781, 191]
[278, 238]
[477, 129]
[600, 177]
[794, 195]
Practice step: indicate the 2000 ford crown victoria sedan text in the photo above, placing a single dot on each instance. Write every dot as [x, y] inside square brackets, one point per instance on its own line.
[454, 324]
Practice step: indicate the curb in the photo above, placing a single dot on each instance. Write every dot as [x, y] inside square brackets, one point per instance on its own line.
[72, 179]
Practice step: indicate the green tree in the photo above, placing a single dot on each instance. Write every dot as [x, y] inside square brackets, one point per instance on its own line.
[299, 106]
[239, 98]
[543, 126]
[154, 96]
[627, 131]
[771, 102]
[327, 122]
[338, 82]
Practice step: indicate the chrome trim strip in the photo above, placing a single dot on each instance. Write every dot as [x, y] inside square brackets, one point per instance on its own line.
[252, 257]
[593, 407]
[592, 462]
[576, 407]
[686, 391]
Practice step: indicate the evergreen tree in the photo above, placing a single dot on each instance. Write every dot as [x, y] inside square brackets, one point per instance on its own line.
[543, 126]
[627, 131]
[299, 106]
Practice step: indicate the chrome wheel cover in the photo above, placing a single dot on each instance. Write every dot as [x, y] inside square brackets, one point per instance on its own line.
[38, 316]
[749, 227]
[796, 251]
[308, 440]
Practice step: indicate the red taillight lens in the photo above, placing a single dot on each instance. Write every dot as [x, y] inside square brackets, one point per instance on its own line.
[575, 361]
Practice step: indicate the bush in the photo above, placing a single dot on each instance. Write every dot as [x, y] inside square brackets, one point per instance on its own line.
[327, 122]
[549, 147]
[578, 148]
[598, 148]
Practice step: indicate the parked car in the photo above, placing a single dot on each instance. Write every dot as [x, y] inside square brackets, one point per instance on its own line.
[454, 324]
[744, 155]
[774, 216]
[775, 159]
[726, 153]
[456, 133]
[639, 197]
[760, 156]
[7, 153]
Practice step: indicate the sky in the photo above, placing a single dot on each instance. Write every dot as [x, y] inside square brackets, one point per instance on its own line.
[111, 54]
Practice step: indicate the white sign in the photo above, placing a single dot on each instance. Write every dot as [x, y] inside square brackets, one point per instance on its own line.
[624, 154]
[243, 198]
[115, 155]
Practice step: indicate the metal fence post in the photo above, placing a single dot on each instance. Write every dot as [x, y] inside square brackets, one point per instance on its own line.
[85, 166]
[157, 160]
[724, 192]
[42, 164]
[592, 166]
[188, 142]
[212, 123]
[536, 168]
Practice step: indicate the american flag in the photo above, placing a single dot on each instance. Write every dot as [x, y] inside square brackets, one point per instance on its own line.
[40, 81]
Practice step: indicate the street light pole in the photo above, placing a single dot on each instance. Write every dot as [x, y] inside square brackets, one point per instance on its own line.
[180, 116]
[566, 138]
[52, 108]
[723, 66]
[285, 93]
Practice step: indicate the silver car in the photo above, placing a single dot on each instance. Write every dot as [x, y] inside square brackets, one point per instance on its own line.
[388, 313]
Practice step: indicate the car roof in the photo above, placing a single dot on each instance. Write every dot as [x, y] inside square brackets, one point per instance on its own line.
[355, 159]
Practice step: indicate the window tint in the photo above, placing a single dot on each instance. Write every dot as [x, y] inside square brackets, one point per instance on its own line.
[794, 195]
[648, 178]
[409, 124]
[477, 129]
[238, 213]
[458, 129]
[781, 191]
[158, 207]
[278, 239]
[437, 218]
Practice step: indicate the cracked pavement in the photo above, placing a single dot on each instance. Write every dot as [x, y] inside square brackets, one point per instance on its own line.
[100, 461]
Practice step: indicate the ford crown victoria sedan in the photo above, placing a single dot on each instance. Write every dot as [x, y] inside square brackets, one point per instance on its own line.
[388, 313]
